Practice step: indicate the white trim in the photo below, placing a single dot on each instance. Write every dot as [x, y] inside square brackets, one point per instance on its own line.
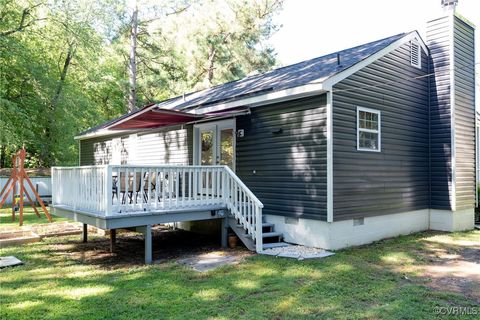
[415, 46]
[216, 127]
[102, 133]
[269, 98]
[225, 117]
[378, 131]
[329, 136]
[197, 142]
[476, 160]
[452, 110]
[106, 133]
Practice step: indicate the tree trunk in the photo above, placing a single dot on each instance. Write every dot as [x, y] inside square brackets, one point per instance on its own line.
[2, 156]
[46, 157]
[132, 98]
[63, 76]
[211, 64]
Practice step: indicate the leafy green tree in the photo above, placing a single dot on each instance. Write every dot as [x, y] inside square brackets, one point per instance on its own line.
[64, 64]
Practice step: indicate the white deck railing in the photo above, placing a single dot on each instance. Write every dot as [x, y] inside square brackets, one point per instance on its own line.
[114, 190]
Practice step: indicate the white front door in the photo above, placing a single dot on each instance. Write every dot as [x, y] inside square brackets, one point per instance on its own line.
[215, 143]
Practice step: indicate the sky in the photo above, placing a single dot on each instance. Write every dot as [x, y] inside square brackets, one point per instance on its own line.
[312, 28]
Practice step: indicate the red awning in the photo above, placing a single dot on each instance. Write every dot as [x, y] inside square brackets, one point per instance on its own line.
[153, 117]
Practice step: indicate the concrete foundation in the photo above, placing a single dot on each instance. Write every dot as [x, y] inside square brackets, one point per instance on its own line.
[354, 232]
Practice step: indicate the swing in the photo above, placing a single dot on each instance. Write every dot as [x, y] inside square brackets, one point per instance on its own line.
[19, 176]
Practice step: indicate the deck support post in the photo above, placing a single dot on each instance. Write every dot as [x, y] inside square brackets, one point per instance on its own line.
[148, 244]
[85, 233]
[147, 232]
[113, 239]
[224, 232]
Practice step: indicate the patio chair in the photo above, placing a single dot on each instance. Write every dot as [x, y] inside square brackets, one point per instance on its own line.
[164, 184]
[131, 189]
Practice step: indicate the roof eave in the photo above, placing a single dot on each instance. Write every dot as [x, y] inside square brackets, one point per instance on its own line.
[307, 90]
[414, 35]
[101, 133]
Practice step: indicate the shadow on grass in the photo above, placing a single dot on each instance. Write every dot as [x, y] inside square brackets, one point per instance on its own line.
[362, 282]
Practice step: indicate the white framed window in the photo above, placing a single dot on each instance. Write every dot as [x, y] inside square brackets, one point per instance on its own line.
[368, 130]
[415, 54]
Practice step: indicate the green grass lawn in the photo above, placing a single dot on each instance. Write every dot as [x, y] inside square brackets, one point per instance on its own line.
[385, 280]
[29, 217]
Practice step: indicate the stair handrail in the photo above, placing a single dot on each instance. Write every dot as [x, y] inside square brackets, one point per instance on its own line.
[256, 233]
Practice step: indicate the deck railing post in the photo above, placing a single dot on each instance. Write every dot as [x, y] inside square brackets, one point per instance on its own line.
[224, 186]
[258, 229]
[107, 180]
[76, 178]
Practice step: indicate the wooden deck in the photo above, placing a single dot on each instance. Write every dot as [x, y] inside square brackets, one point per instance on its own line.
[113, 197]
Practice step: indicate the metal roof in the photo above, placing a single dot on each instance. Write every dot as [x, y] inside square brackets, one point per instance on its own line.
[302, 73]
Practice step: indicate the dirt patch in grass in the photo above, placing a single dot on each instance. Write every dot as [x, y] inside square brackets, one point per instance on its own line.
[456, 273]
[449, 265]
[168, 245]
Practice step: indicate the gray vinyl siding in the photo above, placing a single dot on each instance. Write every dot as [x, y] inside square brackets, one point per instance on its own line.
[168, 146]
[290, 165]
[438, 41]
[464, 55]
[439, 37]
[164, 147]
[96, 151]
[397, 178]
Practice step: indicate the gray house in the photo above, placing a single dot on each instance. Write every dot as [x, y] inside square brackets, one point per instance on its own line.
[345, 149]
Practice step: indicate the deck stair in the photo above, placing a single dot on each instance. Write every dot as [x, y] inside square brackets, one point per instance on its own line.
[271, 238]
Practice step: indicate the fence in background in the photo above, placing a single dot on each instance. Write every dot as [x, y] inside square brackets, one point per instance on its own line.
[43, 184]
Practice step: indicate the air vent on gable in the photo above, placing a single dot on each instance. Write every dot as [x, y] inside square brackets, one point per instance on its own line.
[415, 54]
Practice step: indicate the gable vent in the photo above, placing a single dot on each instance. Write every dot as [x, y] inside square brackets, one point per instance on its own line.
[415, 54]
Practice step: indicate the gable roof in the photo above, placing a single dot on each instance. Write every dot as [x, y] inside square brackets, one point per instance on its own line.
[315, 71]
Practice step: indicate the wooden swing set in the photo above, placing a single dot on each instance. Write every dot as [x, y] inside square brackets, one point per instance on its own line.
[19, 176]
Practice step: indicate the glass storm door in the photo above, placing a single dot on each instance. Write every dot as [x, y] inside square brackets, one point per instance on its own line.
[207, 146]
[216, 144]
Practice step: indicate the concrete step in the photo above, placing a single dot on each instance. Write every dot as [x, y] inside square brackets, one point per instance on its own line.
[275, 245]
